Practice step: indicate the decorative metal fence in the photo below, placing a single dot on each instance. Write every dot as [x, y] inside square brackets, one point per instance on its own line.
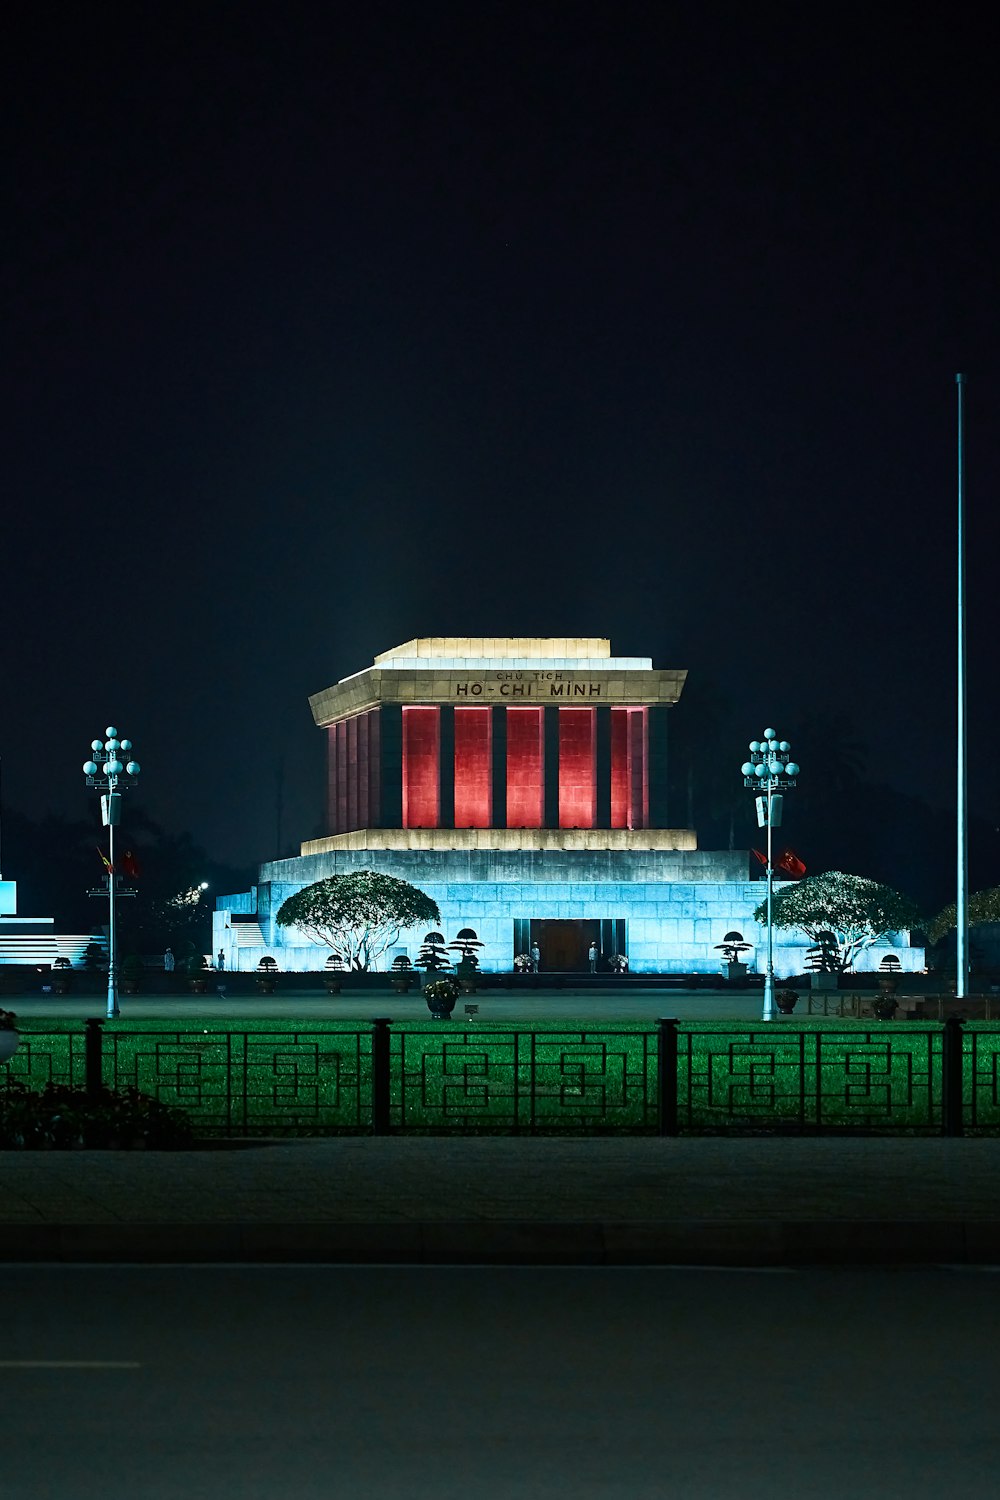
[278, 1078]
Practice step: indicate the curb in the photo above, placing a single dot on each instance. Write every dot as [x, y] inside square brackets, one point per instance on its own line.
[686, 1242]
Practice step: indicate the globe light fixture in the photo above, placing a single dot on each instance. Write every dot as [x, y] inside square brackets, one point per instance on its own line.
[769, 771]
[110, 760]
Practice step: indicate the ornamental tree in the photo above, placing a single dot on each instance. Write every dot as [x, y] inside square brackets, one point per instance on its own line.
[984, 906]
[359, 916]
[856, 911]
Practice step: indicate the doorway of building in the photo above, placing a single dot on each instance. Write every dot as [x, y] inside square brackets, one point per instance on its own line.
[564, 945]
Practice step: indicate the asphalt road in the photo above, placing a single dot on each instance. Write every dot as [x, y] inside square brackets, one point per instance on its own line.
[372, 1382]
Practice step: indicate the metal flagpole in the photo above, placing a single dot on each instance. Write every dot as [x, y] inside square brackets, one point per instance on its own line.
[962, 896]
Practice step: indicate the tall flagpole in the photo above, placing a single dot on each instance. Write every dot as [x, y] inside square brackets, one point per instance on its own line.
[962, 895]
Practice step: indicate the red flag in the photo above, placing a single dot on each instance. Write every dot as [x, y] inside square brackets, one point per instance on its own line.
[130, 865]
[105, 861]
[789, 861]
[761, 857]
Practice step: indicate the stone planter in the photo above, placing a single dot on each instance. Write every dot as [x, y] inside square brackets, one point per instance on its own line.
[884, 1007]
[441, 1009]
[400, 984]
[331, 983]
[821, 981]
[265, 984]
[786, 1000]
[735, 970]
[197, 986]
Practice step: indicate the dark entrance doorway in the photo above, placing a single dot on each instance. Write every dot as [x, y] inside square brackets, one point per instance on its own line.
[564, 945]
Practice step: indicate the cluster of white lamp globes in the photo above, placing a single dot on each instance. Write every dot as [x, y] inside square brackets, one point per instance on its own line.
[113, 760]
[769, 769]
[770, 759]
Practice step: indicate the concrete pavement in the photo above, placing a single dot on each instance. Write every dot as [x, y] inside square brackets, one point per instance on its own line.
[503, 1200]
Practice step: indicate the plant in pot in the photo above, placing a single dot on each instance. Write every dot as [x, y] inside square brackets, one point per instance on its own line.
[196, 973]
[62, 976]
[131, 974]
[267, 971]
[433, 955]
[400, 973]
[823, 962]
[884, 1007]
[332, 970]
[466, 942]
[8, 1035]
[732, 946]
[785, 1000]
[522, 963]
[441, 995]
[618, 963]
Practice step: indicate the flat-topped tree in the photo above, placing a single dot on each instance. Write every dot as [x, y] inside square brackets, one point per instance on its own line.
[433, 955]
[843, 914]
[359, 916]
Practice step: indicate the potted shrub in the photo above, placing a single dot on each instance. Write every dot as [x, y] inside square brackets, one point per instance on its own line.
[196, 970]
[884, 1006]
[732, 946]
[522, 963]
[267, 971]
[433, 955]
[823, 962]
[62, 976]
[618, 963]
[9, 1038]
[466, 942]
[131, 974]
[441, 995]
[332, 970]
[401, 973]
[94, 960]
[785, 1000]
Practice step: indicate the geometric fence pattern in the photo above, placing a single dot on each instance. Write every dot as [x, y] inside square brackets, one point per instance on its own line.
[281, 1078]
[843, 1079]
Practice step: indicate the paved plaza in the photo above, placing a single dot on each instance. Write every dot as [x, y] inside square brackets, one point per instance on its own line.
[631, 1004]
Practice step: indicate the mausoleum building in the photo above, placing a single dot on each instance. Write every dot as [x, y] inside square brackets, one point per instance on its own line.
[522, 784]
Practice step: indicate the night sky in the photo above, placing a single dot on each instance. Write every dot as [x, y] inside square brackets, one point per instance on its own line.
[329, 329]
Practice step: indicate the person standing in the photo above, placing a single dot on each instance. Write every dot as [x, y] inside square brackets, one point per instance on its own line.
[168, 961]
[221, 964]
[592, 956]
[536, 957]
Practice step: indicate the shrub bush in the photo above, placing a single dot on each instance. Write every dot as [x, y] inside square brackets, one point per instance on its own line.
[62, 1118]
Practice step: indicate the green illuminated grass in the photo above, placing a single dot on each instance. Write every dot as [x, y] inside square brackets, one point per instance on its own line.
[282, 1077]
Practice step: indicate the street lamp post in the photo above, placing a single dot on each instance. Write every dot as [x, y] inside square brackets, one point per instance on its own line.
[769, 772]
[106, 776]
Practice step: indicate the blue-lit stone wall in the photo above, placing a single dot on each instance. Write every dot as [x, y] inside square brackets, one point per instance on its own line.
[677, 906]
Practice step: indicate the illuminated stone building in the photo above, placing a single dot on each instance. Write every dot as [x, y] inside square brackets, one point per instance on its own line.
[522, 784]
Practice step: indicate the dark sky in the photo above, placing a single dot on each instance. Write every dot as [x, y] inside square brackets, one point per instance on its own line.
[325, 330]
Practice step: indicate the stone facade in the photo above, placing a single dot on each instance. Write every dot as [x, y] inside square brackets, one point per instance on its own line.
[643, 890]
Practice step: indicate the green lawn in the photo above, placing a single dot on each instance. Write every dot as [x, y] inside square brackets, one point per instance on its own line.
[276, 1077]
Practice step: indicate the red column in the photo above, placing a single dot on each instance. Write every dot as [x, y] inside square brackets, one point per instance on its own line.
[629, 768]
[473, 768]
[525, 768]
[577, 768]
[421, 780]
